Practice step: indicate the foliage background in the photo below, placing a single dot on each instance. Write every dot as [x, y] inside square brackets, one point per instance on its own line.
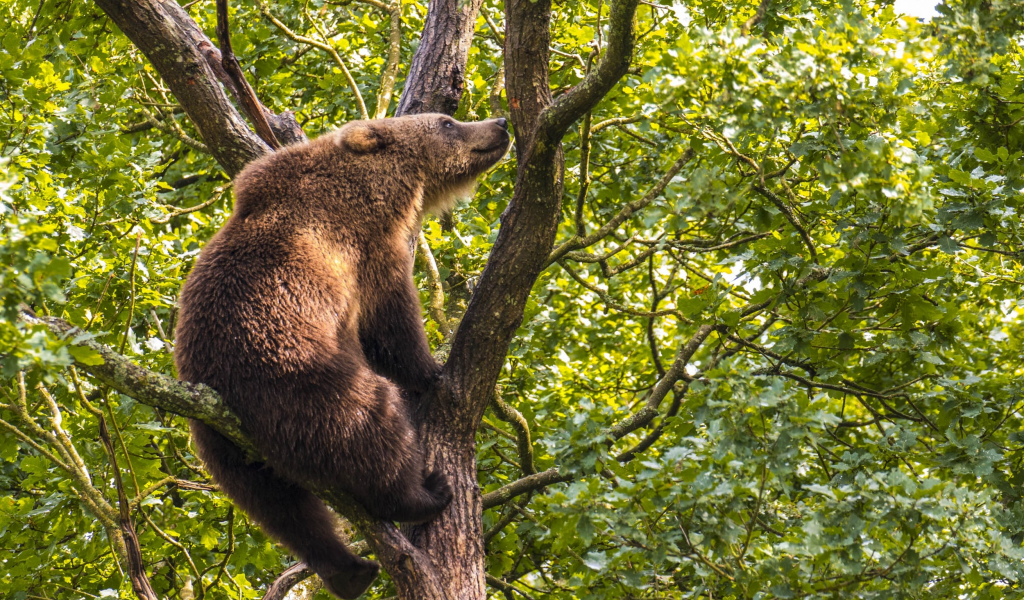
[863, 440]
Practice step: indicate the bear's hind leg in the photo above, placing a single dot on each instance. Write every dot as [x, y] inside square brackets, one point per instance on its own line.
[288, 513]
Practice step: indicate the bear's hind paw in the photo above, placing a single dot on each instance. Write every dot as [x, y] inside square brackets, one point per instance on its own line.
[351, 582]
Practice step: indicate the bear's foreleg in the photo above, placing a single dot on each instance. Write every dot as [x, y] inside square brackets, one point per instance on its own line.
[393, 340]
[288, 513]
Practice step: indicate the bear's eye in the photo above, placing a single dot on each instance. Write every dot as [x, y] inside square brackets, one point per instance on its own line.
[448, 124]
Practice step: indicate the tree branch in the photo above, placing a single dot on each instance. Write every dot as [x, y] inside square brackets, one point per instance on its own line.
[195, 401]
[790, 216]
[436, 290]
[577, 242]
[288, 579]
[757, 17]
[530, 222]
[521, 486]
[507, 413]
[326, 47]
[674, 373]
[390, 71]
[136, 569]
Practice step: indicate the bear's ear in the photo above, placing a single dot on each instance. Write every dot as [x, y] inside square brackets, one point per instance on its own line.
[364, 137]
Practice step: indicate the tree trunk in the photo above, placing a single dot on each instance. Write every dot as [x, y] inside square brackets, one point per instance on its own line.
[438, 71]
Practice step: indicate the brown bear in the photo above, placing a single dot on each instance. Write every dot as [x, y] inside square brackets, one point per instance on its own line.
[303, 314]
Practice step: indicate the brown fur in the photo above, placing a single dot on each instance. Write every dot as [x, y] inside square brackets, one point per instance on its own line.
[302, 313]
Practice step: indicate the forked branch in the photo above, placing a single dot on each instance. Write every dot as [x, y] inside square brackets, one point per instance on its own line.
[618, 53]
[173, 43]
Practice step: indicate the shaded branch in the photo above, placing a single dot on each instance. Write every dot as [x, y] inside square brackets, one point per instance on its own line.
[526, 484]
[790, 216]
[674, 373]
[136, 569]
[616, 121]
[173, 130]
[288, 579]
[757, 17]
[507, 413]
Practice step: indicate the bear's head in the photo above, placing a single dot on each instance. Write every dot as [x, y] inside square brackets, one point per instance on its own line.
[447, 154]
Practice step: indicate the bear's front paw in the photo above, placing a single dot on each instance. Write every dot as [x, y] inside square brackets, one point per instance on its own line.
[425, 378]
[437, 486]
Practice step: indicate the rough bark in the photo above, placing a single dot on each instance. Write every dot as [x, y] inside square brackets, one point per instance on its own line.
[438, 71]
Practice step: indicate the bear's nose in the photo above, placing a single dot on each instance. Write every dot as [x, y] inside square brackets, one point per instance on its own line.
[503, 123]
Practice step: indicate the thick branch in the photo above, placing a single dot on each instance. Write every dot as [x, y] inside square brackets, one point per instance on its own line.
[528, 225]
[173, 43]
[410, 568]
[196, 401]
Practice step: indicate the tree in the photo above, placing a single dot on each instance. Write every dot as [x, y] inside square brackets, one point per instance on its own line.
[738, 319]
